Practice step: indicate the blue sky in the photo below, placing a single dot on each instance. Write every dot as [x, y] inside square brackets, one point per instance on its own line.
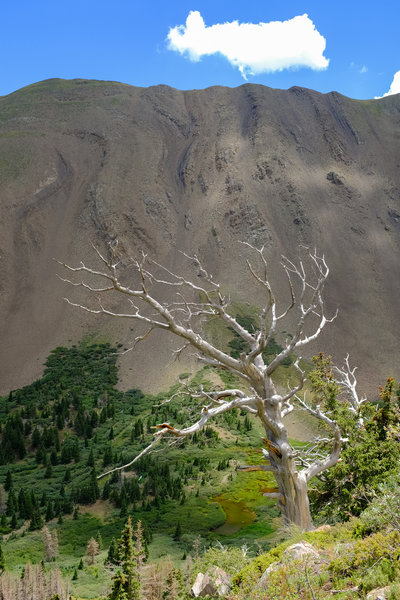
[348, 46]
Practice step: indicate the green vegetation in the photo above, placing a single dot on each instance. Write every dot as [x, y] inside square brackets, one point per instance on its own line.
[370, 455]
[68, 426]
[62, 430]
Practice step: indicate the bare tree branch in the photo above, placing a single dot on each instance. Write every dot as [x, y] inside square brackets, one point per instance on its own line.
[348, 381]
[183, 314]
[320, 465]
[214, 408]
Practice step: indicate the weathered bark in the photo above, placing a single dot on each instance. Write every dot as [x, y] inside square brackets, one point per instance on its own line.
[259, 395]
[292, 485]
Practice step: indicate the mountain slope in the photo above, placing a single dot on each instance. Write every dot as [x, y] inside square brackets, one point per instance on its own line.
[165, 170]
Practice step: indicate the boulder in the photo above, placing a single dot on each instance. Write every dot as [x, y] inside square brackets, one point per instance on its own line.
[300, 551]
[323, 528]
[203, 586]
[222, 580]
[215, 582]
[379, 594]
[265, 576]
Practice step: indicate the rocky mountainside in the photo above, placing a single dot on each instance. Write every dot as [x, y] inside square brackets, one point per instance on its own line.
[197, 171]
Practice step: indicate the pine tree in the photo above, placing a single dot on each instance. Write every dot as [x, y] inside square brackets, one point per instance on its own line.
[3, 500]
[94, 486]
[36, 519]
[12, 503]
[49, 511]
[108, 457]
[2, 560]
[13, 520]
[99, 540]
[178, 532]
[139, 546]
[126, 581]
[118, 591]
[112, 555]
[90, 461]
[92, 550]
[67, 476]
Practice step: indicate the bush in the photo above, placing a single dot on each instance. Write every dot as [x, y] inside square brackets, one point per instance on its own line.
[231, 560]
[368, 552]
[384, 508]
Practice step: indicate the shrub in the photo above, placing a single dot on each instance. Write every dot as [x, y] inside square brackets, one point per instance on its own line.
[230, 560]
[384, 508]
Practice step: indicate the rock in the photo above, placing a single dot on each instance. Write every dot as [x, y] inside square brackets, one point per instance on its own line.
[379, 594]
[300, 551]
[334, 178]
[265, 576]
[296, 552]
[323, 528]
[215, 582]
[203, 586]
[222, 580]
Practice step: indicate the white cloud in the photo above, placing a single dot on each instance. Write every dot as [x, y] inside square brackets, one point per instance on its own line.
[394, 88]
[361, 69]
[252, 48]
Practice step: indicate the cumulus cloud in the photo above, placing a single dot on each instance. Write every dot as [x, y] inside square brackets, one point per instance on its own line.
[394, 88]
[252, 48]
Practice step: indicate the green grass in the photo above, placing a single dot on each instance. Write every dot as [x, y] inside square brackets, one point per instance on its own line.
[82, 380]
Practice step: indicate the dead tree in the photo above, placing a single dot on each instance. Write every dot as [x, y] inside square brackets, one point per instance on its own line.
[192, 303]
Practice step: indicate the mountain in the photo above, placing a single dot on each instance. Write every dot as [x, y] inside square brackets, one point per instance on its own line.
[166, 171]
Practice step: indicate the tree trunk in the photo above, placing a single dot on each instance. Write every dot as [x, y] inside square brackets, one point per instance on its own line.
[292, 499]
[294, 503]
[293, 495]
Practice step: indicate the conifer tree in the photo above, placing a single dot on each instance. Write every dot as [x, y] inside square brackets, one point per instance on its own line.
[67, 476]
[3, 501]
[36, 519]
[178, 532]
[47, 544]
[99, 540]
[2, 560]
[90, 461]
[49, 511]
[94, 486]
[112, 555]
[12, 503]
[126, 581]
[92, 550]
[13, 520]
